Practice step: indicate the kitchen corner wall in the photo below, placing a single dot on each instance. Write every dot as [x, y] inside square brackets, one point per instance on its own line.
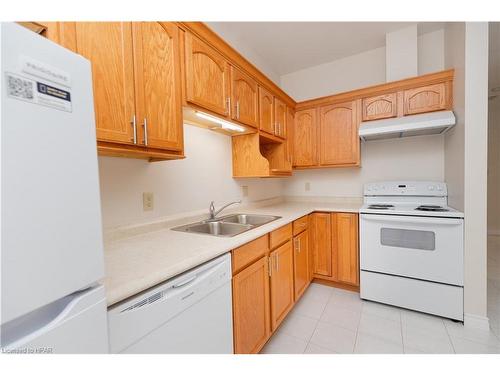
[416, 158]
[179, 186]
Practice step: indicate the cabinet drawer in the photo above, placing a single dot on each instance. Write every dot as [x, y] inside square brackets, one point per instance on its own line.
[278, 236]
[300, 225]
[246, 254]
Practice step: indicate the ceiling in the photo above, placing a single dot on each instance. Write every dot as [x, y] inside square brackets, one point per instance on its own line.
[290, 46]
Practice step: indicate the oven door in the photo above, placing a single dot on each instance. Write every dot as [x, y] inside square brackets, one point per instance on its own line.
[426, 248]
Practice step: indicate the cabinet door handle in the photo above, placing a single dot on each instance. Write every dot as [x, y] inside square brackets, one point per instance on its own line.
[238, 110]
[277, 262]
[134, 129]
[228, 106]
[145, 124]
[298, 243]
[269, 266]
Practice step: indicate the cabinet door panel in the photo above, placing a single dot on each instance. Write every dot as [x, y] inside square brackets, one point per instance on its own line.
[345, 247]
[266, 111]
[245, 98]
[379, 107]
[301, 263]
[108, 45]
[207, 79]
[305, 138]
[339, 142]
[158, 90]
[280, 116]
[282, 290]
[321, 244]
[251, 312]
[425, 99]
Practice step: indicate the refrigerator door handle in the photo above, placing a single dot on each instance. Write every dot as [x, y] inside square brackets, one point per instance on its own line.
[46, 318]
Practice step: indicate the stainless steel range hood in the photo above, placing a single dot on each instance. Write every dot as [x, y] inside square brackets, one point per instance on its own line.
[407, 126]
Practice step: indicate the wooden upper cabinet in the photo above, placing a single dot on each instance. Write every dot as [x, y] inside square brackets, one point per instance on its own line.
[427, 99]
[282, 289]
[244, 98]
[266, 111]
[338, 139]
[207, 76]
[321, 243]
[108, 45]
[251, 311]
[157, 84]
[305, 138]
[301, 262]
[280, 117]
[345, 247]
[380, 107]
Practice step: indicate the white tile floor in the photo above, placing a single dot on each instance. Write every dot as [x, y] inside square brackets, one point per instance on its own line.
[328, 320]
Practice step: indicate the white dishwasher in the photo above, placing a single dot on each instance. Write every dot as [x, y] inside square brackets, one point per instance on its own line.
[191, 313]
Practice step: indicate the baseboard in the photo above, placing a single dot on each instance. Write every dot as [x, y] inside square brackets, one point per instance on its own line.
[476, 322]
[335, 284]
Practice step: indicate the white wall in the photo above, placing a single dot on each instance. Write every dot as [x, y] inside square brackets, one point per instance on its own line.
[401, 54]
[353, 72]
[455, 138]
[178, 185]
[494, 133]
[466, 149]
[476, 162]
[364, 69]
[249, 53]
[418, 158]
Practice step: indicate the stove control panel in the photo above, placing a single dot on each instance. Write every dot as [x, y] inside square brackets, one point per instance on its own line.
[409, 188]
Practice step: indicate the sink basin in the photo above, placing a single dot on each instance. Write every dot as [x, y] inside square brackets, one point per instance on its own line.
[255, 220]
[227, 226]
[218, 228]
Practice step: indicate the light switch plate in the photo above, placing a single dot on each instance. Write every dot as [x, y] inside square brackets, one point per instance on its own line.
[307, 186]
[147, 201]
[244, 191]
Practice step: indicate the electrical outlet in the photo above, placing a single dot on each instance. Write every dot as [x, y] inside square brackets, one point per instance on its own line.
[244, 191]
[147, 201]
[307, 186]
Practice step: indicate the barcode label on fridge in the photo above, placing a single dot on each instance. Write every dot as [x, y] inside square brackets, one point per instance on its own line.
[20, 88]
[35, 92]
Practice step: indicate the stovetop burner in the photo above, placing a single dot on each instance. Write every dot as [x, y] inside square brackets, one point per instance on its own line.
[430, 207]
[380, 206]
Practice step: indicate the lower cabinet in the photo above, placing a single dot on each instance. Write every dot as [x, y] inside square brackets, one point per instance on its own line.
[282, 289]
[334, 243]
[251, 312]
[301, 262]
[272, 272]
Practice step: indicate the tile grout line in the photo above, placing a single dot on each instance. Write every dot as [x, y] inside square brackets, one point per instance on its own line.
[317, 322]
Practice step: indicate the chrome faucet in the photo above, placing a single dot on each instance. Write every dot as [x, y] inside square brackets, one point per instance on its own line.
[213, 214]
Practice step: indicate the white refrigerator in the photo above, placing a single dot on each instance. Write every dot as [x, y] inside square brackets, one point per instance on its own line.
[51, 237]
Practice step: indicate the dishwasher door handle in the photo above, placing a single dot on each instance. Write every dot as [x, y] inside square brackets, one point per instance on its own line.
[185, 282]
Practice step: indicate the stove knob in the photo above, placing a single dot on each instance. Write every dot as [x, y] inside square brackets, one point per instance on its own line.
[440, 188]
[431, 187]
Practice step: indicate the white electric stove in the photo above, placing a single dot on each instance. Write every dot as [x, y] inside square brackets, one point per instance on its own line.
[411, 247]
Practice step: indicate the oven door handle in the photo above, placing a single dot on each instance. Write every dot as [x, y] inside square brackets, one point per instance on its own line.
[412, 219]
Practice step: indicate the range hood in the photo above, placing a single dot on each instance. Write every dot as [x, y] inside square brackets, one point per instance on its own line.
[407, 126]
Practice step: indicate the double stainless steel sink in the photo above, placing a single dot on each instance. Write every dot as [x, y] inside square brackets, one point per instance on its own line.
[227, 226]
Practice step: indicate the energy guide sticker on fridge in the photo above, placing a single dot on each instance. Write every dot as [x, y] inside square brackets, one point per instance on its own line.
[35, 92]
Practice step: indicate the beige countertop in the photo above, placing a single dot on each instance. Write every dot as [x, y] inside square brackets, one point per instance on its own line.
[144, 256]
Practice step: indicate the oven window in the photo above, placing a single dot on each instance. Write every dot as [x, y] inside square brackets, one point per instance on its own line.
[409, 239]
